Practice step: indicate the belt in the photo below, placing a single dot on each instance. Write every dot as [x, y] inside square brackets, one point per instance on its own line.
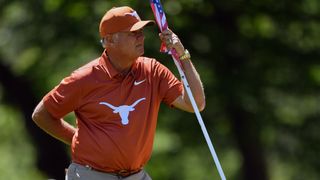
[119, 173]
[126, 173]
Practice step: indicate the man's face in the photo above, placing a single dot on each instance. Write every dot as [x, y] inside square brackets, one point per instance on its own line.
[130, 44]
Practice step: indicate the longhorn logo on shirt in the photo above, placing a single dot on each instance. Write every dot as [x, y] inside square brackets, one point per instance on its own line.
[123, 110]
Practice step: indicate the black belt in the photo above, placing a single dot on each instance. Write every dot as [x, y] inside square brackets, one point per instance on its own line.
[126, 173]
[119, 173]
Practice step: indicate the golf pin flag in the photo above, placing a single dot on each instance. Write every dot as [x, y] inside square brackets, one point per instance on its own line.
[160, 19]
[163, 25]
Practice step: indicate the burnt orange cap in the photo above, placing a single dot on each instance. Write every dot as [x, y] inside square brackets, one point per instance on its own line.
[121, 19]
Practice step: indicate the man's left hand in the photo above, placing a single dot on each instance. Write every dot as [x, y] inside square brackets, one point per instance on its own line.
[172, 41]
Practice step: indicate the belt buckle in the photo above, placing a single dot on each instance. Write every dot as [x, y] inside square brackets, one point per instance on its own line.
[124, 173]
[88, 167]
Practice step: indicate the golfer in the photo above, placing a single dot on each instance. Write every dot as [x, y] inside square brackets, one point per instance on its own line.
[116, 100]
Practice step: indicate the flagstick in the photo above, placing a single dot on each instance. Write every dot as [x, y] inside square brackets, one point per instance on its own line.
[198, 115]
[163, 26]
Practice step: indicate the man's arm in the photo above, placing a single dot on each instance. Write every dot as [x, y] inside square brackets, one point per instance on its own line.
[57, 128]
[183, 102]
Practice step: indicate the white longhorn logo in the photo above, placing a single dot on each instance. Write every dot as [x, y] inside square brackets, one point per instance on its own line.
[123, 110]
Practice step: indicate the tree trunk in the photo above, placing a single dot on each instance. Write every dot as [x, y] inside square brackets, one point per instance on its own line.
[248, 137]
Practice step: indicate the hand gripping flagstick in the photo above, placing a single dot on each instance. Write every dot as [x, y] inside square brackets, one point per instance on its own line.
[163, 25]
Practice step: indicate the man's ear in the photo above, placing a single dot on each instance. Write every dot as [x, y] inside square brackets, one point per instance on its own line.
[108, 40]
[103, 42]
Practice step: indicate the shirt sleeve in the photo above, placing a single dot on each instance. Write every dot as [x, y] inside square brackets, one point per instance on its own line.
[170, 87]
[64, 98]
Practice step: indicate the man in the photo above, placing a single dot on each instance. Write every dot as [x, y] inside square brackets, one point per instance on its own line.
[116, 99]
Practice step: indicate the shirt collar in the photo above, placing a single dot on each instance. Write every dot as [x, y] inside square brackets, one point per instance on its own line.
[110, 70]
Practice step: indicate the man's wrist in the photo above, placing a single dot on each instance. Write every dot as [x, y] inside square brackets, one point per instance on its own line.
[185, 56]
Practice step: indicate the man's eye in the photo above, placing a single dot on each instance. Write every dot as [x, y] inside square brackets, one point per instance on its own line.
[132, 34]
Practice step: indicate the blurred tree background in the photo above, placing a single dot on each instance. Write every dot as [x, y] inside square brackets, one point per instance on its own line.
[258, 59]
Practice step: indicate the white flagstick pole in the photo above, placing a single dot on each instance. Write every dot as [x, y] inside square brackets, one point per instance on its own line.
[198, 115]
[187, 87]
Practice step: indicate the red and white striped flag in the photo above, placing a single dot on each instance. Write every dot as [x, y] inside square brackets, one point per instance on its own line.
[160, 19]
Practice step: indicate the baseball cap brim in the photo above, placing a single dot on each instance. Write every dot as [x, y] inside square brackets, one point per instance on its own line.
[140, 24]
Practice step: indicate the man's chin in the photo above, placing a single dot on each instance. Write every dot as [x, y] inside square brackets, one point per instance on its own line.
[141, 51]
[139, 54]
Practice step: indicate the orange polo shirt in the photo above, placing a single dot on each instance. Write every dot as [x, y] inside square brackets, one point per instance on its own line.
[116, 115]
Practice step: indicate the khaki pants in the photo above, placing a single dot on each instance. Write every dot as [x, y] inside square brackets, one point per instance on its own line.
[80, 172]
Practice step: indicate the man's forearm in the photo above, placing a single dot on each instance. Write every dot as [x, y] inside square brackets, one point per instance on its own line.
[173, 42]
[57, 128]
[195, 83]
